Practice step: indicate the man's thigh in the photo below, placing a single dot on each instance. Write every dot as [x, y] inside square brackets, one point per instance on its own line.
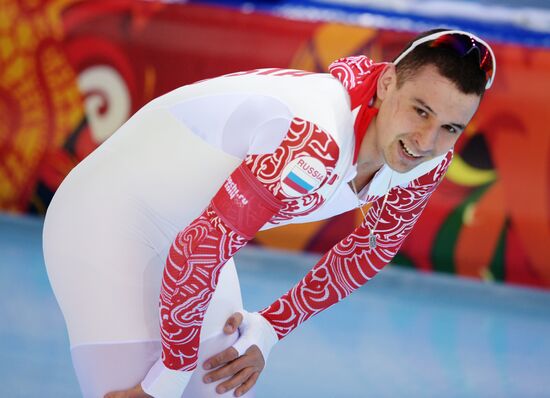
[104, 367]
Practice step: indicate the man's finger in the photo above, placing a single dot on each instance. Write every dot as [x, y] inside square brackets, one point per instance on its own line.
[228, 370]
[233, 322]
[235, 381]
[247, 385]
[220, 359]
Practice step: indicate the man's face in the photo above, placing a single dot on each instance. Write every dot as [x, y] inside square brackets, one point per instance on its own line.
[420, 120]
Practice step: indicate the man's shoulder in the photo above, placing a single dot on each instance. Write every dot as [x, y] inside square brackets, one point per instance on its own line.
[321, 86]
[316, 97]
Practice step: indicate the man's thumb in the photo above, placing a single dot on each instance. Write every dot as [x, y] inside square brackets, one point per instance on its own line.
[232, 323]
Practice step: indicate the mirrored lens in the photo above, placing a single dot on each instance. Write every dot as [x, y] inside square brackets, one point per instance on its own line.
[464, 45]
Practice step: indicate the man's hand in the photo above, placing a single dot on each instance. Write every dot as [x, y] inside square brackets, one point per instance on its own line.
[243, 371]
[134, 392]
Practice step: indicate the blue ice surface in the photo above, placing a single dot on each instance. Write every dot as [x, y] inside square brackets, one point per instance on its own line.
[406, 334]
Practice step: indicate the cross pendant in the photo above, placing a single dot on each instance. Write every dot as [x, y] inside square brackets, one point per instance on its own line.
[372, 241]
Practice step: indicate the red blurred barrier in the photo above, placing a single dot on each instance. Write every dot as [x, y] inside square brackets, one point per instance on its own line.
[71, 72]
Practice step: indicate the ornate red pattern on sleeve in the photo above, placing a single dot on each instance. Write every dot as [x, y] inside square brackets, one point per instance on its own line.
[351, 262]
[304, 139]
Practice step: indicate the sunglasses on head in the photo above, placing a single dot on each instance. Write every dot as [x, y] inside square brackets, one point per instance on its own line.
[463, 43]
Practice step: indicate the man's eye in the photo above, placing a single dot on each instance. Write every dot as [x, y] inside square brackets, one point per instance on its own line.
[451, 129]
[421, 112]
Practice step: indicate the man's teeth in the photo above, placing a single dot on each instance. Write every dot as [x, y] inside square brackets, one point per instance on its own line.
[408, 151]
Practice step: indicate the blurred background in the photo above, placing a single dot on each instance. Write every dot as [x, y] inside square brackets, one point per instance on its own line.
[71, 72]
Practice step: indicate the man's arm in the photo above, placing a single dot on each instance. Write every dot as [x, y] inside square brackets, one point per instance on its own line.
[351, 262]
[250, 197]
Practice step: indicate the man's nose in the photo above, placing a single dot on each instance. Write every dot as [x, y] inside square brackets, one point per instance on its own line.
[425, 138]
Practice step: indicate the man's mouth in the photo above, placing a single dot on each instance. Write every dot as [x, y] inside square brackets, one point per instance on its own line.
[408, 151]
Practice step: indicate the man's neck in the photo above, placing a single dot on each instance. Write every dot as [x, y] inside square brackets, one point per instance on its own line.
[369, 159]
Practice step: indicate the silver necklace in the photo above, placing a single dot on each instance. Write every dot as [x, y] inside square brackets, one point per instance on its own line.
[372, 236]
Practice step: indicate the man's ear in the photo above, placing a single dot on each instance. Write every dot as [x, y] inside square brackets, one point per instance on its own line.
[387, 81]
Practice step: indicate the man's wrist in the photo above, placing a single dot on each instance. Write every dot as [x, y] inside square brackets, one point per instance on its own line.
[256, 330]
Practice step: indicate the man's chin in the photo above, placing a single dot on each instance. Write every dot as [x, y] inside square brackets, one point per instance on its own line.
[402, 167]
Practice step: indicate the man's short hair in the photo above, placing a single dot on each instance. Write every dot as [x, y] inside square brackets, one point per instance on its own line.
[463, 71]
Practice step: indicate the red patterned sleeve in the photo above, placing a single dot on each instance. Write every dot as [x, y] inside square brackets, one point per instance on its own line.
[351, 262]
[266, 187]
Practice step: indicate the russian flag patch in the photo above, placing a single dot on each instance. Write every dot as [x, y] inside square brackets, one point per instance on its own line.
[303, 175]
